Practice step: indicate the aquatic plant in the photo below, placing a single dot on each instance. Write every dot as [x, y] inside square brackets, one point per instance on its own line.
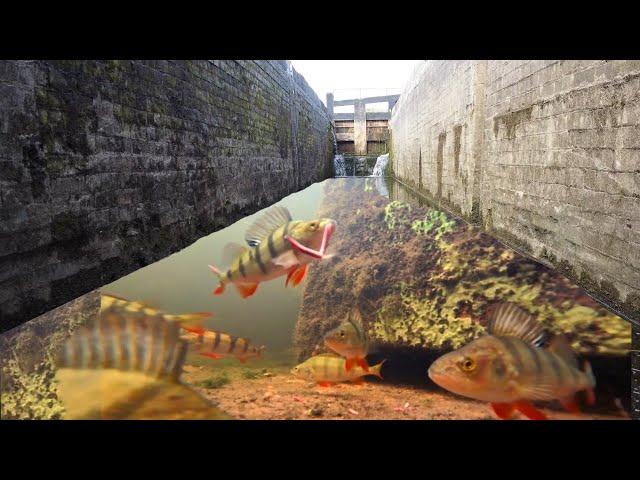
[434, 220]
[448, 314]
[396, 212]
[215, 382]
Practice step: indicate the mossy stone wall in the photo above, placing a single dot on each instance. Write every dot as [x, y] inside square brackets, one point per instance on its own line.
[544, 154]
[107, 166]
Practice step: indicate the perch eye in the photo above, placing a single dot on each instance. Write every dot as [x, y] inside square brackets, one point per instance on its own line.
[313, 225]
[468, 364]
[342, 334]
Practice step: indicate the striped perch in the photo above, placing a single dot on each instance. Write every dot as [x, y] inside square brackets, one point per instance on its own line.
[349, 340]
[327, 368]
[218, 345]
[128, 366]
[277, 246]
[121, 306]
[150, 345]
[509, 367]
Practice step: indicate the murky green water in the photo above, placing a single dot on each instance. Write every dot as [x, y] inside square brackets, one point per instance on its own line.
[182, 282]
[422, 278]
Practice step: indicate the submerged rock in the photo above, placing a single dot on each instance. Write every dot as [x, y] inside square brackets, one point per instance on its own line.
[425, 279]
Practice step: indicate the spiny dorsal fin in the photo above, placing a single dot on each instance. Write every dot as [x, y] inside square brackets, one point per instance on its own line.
[286, 260]
[355, 318]
[123, 305]
[108, 300]
[509, 320]
[231, 251]
[273, 218]
[113, 295]
[560, 346]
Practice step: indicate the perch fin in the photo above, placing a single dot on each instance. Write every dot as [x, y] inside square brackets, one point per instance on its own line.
[272, 219]
[529, 411]
[509, 320]
[348, 365]
[286, 260]
[196, 330]
[232, 251]
[215, 356]
[296, 275]
[246, 289]
[503, 410]
[363, 364]
[591, 396]
[570, 405]
[220, 288]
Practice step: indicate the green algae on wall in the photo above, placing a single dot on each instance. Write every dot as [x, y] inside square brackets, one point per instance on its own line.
[415, 321]
[469, 277]
[433, 220]
[396, 213]
[33, 395]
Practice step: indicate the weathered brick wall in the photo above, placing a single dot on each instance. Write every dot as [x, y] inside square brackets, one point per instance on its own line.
[433, 135]
[107, 166]
[548, 159]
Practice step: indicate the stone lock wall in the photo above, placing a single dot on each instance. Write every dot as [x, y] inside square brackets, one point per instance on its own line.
[544, 154]
[107, 166]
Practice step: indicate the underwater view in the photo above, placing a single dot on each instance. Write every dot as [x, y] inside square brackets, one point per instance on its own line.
[354, 298]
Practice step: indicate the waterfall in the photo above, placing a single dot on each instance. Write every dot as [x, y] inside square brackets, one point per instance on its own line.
[381, 186]
[338, 166]
[381, 165]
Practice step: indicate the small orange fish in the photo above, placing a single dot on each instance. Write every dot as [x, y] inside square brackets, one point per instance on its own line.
[509, 368]
[349, 341]
[278, 246]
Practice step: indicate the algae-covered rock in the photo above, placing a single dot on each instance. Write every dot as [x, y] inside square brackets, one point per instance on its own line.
[423, 278]
[28, 389]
